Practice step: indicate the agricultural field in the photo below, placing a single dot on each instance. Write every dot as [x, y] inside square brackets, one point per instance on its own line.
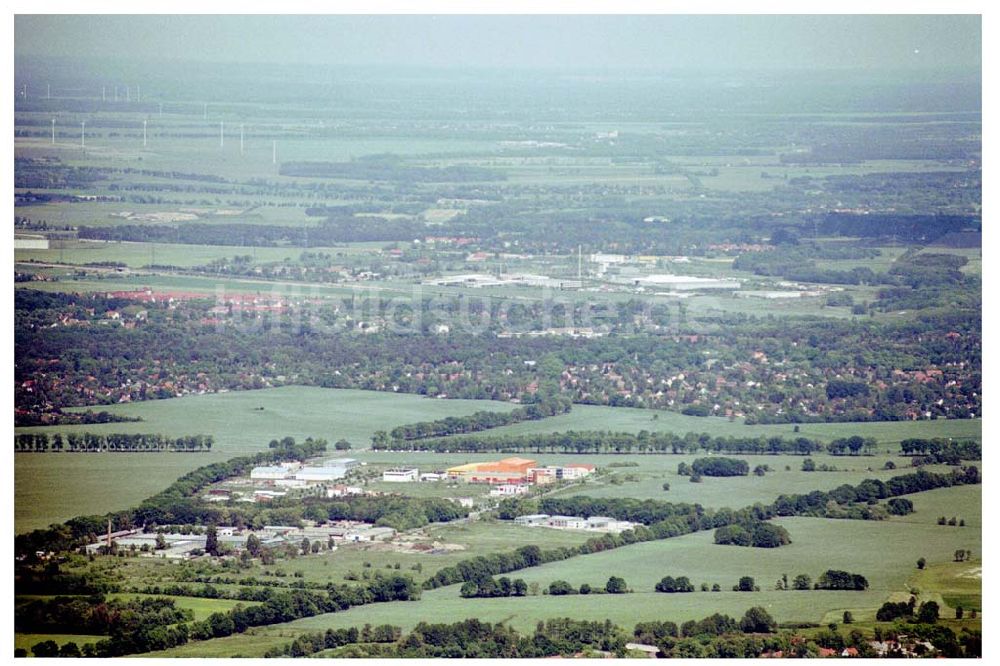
[57, 486]
[884, 552]
[593, 417]
[49, 487]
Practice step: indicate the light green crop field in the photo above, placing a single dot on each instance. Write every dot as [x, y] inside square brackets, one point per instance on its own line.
[593, 417]
[50, 487]
[736, 492]
[884, 552]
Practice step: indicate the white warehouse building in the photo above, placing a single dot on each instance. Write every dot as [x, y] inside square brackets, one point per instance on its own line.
[268, 473]
[401, 475]
[320, 473]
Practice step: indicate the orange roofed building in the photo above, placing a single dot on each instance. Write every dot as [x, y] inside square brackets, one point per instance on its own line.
[508, 470]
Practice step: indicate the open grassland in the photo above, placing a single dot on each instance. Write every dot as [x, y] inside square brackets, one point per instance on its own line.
[884, 552]
[56, 486]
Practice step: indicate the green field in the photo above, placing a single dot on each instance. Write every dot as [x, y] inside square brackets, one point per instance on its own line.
[56, 486]
[884, 552]
[627, 419]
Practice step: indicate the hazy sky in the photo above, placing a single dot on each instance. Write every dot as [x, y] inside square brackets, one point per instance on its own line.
[704, 42]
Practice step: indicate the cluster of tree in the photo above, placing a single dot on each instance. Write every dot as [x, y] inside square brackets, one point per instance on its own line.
[489, 588]
[482, 420]
[927, 613]
[96, 615]
[930, 451]
[59, 417]
[834, 579]
[469, 638]
[669, 584]
[853, 444]
[615, 585]
[39, 442]
[756, 533]
[717, 466]
[899, 506]
[599, 442]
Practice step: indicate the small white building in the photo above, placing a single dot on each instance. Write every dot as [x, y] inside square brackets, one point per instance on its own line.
[509, 490]
[532, 520]
[290, 483]
[344, 491]
[404, 475]
[432, 476]
[466, 502]
[566, 522]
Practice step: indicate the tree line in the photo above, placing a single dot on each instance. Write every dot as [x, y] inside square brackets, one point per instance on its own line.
[40, 442]
[718, 635]
[481, 420]
[601, 442]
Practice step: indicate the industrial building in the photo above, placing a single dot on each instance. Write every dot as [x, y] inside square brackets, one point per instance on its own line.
[593, 524]
[320, 474]
[550, 473]
[509, 490]
[401, 475]
[508, 470]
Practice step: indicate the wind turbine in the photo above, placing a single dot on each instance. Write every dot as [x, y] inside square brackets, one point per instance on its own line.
[83, 135]
[53, 131]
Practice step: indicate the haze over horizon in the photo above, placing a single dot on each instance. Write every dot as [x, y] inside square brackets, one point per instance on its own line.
[673, 42]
